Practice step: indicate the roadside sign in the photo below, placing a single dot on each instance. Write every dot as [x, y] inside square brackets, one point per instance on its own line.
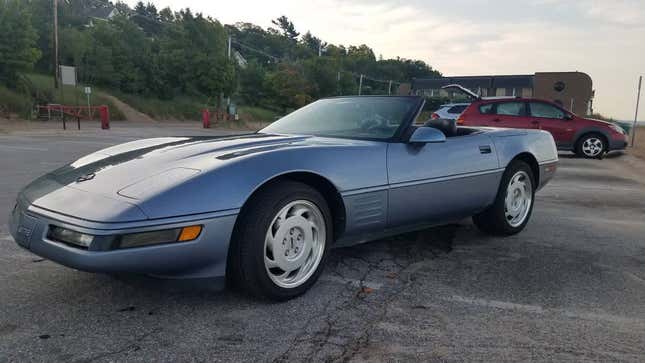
[68, 75]
[88, 90]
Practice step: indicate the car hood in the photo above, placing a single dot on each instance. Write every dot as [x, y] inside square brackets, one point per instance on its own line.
[114, 183]
[598, 122]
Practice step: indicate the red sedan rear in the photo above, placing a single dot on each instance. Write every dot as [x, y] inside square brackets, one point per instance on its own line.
[589, 138]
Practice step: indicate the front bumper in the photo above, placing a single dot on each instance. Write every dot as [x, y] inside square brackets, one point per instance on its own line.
[204, 257]
[618, 144]
[547, 171]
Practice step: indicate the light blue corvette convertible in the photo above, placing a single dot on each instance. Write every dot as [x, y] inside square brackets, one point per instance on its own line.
[262, 210]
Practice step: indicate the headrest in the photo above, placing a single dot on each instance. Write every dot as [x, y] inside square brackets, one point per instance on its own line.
[448, 127]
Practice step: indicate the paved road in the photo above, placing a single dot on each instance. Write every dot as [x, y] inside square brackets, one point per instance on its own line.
[570, 287]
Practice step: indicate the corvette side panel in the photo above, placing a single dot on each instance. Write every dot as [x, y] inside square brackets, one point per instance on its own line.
[510, 143]
[365, 211]
[431, 181]
[441, 201]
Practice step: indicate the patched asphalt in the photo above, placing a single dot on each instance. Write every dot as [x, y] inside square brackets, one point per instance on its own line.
[569, 287]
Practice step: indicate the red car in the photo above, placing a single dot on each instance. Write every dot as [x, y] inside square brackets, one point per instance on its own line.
[586, 137]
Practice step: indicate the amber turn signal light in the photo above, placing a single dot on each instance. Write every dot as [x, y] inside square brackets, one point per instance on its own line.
[189, 233]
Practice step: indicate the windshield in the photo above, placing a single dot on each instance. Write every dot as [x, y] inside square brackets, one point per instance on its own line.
[352, 117]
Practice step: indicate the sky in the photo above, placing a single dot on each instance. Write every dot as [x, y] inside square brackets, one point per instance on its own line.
[605, 39]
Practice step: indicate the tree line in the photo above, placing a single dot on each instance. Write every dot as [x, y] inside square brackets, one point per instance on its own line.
[165, 53]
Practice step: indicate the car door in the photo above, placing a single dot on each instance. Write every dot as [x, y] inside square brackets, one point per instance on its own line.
[553, 119]
[436, 182]
[511, 114]
[478, 114]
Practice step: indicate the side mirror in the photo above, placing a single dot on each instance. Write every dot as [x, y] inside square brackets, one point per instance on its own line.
[568, 116]
[424, 135]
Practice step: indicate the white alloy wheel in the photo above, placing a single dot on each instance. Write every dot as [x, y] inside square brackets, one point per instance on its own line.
[294, 243]
[592, 147]
[519, 197]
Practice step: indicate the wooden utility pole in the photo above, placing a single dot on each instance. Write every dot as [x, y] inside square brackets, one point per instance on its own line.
[638, 98]
[360, 85]
[228, 54]
[56, 67]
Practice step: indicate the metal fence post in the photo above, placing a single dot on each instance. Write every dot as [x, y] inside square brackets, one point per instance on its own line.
[206, 122]
[105, 117]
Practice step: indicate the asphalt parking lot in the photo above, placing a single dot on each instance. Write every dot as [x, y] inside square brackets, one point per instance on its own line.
[570, 287]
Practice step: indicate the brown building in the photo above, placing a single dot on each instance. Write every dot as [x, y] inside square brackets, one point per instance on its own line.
[573, 90]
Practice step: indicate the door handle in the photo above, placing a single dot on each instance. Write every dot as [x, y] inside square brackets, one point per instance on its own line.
[485, 149]
[534, 122]
[496, 120]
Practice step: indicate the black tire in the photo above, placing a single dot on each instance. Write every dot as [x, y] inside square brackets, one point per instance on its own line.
[493, 220]
[245, 268]
[599, 150]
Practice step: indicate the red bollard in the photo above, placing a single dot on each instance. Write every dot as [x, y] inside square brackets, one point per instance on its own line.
[206, 118]
[105, 117]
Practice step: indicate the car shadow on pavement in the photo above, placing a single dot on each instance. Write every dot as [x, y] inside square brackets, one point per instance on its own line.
[609, 155]
[374, 260]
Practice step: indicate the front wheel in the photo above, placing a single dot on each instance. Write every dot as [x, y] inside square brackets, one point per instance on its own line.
[513, 204]
[591, 146]
[281, 241]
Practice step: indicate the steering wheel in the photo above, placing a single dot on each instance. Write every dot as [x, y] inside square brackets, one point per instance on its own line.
[373, 122]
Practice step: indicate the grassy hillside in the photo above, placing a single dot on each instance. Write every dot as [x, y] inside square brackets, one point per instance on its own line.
[257, 114]
[14, 102]
[179, 108]
[187, 108]
[39, 89]
[70, 95]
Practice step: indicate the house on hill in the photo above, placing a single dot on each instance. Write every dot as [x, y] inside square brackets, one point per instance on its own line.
[100, 14]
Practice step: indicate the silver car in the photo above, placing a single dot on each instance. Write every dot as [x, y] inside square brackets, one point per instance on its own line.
[262, 210]
[449, 111]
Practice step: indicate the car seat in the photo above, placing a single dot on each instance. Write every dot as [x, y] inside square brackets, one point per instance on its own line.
[448, 127]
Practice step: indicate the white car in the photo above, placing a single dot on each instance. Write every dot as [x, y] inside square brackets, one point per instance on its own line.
[449, 111]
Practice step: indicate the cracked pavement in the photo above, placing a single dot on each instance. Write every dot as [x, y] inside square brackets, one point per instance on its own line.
[570, 287]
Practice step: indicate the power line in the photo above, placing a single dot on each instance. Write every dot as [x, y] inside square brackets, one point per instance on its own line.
[256, 50]
[371, 79]
[280, 59]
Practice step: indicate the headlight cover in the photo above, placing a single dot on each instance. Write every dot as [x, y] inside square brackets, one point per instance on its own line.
[130, 240]
[183, 234]
[68, 236]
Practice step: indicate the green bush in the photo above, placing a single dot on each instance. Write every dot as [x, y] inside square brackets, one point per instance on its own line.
[12, 101]
[250, 113]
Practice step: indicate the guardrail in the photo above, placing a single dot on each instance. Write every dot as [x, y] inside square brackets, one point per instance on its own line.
[77, 112]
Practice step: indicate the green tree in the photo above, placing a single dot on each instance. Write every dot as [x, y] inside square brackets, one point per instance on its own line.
[287, 27]
[288, 87]
[322, 74]
[312, 43]
[41, 21]
[17, 41]
[252, 82]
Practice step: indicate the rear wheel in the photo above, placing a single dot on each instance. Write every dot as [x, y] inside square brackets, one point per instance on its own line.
[591, 146]
[513, 204]
[281, 241]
